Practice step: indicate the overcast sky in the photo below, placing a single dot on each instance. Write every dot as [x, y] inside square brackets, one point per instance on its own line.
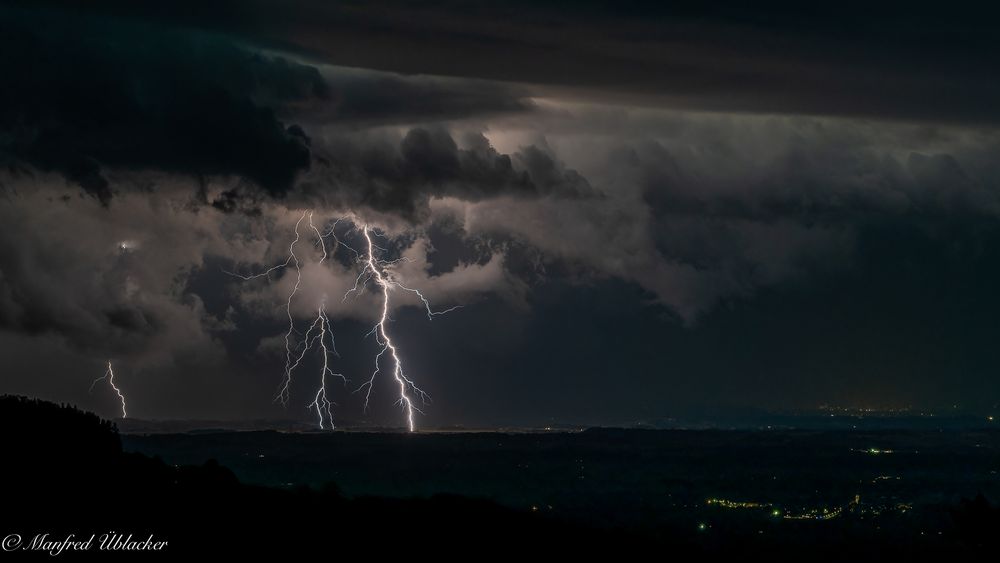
[643, 211]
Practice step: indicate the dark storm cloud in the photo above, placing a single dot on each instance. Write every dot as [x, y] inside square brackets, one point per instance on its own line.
[399, 175]
[702, 209]
[819, 180]
[888, 59]
[800, 214]
[67, 275]
[365, 98]
[85, 93]
[632, 248]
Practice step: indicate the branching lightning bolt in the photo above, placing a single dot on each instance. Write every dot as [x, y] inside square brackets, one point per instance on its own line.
[379, 271]
[319, 331]
[319, 334]
[293, 260]
[109, 376]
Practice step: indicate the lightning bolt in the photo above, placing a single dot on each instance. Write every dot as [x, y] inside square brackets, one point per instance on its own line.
[380, 271]
[319, 335]
[109, 376]
[292, 260]
[319, 332]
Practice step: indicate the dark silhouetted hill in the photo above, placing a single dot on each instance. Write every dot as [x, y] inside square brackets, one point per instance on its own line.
[64, 471]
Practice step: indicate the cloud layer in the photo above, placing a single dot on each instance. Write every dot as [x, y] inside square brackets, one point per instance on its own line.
[895, 59]
[147, 151]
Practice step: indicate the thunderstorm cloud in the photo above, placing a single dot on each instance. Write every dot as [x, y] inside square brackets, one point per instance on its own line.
[664, 197]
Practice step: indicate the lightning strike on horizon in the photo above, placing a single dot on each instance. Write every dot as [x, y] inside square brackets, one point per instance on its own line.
[380, 271]
[321, 326]
[319, 332]
[283, 389]
[109, 375]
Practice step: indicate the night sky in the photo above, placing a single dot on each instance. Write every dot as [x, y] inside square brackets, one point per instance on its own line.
[643, 210]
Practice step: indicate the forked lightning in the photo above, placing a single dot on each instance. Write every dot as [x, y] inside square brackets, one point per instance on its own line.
[109, 376]
[319, 334]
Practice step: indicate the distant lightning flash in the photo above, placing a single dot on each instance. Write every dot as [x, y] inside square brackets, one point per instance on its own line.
[109, 376]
